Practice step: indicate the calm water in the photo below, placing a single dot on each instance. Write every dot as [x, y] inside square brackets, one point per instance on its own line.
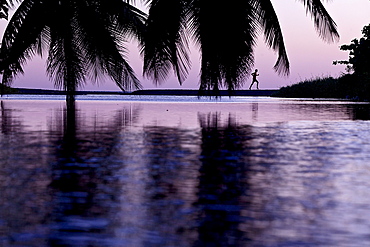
[178, 171]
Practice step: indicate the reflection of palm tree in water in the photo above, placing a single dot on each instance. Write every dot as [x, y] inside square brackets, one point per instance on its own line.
[83, 191]
[82, 185]
[5, 119]
[221, 183]
[172, 167]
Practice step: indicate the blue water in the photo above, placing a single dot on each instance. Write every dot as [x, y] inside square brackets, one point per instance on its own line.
[181, 171]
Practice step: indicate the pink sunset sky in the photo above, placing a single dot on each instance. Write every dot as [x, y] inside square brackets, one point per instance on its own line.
[309, 56]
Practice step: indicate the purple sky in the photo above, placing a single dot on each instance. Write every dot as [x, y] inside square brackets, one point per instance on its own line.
[309, 56]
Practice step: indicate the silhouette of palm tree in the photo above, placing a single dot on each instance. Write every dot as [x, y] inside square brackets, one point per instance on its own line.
[226, 35]
[82, 38]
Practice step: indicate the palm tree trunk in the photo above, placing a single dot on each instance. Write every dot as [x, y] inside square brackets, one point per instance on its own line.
[70, 89]
[70, 99]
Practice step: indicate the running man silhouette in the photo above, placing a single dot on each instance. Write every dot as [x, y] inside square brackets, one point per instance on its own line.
[254, 79]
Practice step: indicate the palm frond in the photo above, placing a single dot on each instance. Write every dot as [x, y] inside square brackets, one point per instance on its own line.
[5, 5]
[226, 35]
[102, 40]
[165, 44]
[324, 24]
[129, 20]
[4, 9]
[22, 39]
[65, 63]
[273, 34]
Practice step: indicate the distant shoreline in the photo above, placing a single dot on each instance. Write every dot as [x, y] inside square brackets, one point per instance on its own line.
[172, 92]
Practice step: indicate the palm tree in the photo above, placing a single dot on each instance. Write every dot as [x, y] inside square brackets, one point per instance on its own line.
[226, 35]
[82, 38]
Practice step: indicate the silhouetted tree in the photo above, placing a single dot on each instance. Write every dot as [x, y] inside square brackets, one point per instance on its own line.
[359, 54]
[81, 37]
[226, 34]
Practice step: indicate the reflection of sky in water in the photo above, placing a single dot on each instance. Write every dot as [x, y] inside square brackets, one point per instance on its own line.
[258, 172]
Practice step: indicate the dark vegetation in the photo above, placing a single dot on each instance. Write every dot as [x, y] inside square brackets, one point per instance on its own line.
[348, 86]
[7, 90]
[353, 85]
